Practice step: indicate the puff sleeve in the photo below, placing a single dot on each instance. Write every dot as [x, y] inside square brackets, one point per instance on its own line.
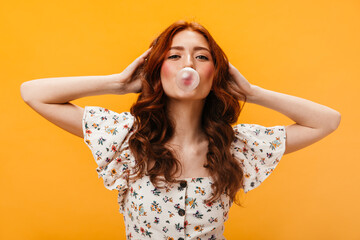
[104, 133]
[259, 150]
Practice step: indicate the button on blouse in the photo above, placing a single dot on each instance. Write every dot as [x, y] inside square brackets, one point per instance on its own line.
[177, 211]
[183, 184]
[181, 212]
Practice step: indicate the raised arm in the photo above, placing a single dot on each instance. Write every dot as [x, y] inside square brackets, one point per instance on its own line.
[50, 97]
[313, 121]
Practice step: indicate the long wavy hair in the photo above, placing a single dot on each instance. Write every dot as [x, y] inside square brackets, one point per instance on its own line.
[153, 128]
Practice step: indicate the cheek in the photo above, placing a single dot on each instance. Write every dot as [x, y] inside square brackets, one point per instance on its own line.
[166, 72]
[167, 75]
[208, 73]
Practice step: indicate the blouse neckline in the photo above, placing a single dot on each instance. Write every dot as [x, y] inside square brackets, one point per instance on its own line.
[190, 178]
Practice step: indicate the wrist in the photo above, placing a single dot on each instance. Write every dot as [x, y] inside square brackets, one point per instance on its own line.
[116, 85]
[255, 94]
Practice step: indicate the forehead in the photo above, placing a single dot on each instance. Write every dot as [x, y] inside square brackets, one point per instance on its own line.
[189, 38]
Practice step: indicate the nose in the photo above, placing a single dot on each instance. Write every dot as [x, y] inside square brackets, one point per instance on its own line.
[189, 62]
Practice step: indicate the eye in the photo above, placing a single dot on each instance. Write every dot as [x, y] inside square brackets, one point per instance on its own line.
[173, 56]
[203, 57]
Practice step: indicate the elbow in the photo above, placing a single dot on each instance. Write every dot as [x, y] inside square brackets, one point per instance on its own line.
[25, 92]
[335, 121]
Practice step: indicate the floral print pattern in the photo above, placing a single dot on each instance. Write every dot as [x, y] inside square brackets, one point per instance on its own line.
[177, 211]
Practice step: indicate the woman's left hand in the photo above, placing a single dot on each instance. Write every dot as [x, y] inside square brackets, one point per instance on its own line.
[241, 85]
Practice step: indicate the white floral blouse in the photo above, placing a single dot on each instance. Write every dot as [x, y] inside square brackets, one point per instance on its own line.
[176, 212]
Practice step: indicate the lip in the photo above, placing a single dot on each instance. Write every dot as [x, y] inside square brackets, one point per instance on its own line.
[187, 82]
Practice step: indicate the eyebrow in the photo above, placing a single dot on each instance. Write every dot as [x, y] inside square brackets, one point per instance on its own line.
[195, 48]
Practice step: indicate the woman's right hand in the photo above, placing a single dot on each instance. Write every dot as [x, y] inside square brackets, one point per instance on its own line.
[130, 81]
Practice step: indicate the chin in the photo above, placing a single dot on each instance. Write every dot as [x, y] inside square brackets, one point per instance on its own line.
[188, 96]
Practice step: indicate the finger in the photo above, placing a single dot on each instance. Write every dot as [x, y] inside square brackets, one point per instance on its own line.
[235, 86]
[142, 58]
[237, 95]
[232, 68]
[139, 60]
[234, 94]
[146, 53]
[236, 91]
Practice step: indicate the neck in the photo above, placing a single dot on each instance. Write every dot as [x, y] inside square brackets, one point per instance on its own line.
[187, 118]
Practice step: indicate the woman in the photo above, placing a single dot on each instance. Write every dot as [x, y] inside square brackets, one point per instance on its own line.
[175, 159]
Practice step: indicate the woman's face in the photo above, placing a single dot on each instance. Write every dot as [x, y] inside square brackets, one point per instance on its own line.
[188, 49]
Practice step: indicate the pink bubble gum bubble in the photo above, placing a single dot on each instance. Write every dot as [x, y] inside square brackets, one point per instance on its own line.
[187, 79]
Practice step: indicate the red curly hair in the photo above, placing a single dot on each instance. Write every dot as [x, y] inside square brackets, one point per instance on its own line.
[152, 127]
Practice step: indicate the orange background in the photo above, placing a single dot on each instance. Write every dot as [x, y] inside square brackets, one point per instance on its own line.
[310, 49]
